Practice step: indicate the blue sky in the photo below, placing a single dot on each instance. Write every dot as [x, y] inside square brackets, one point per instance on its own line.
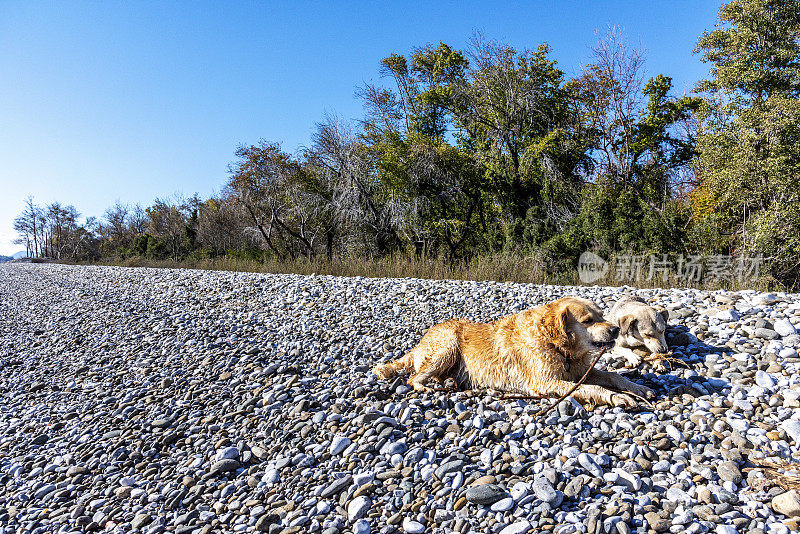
[135, 100]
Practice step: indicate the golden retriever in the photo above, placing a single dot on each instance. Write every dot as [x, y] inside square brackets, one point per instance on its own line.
[538, 352]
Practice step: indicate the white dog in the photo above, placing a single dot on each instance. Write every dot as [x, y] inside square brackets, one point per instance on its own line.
[640, 325]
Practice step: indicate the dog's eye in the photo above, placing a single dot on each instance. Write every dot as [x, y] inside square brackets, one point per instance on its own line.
[587, 320]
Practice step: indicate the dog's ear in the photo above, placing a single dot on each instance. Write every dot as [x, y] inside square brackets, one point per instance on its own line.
[554, 325]
[664, 315]
[625, 323]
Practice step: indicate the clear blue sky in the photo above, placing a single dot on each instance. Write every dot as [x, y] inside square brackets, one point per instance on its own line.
[132, 100]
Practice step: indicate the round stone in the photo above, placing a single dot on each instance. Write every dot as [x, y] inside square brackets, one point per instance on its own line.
[361, 527]
[243, 392]
[520, 527]
[485, 494]
[358, 507]
[412, 527]
[503, 504]
[730, 472]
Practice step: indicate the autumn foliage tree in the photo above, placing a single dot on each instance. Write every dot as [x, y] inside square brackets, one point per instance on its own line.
[495, 150]
[749, 155]
[270, 185]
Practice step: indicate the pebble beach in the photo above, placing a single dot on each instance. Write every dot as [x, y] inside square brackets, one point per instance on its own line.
[183, 401]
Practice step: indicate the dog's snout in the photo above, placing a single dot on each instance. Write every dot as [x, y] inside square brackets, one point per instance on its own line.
[614, 331]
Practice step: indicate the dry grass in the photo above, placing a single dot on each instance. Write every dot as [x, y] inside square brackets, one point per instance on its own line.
[500, 268]
[665, 359]
[782, 473]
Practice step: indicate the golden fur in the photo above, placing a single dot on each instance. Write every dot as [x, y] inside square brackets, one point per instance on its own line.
[538, 352]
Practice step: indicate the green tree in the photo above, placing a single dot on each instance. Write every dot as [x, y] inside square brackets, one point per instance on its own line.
[518, 116]
[412, 137]
[166, 222]
[749, 155]
[638, 152]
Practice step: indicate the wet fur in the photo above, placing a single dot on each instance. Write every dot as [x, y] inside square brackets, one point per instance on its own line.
[538, 352]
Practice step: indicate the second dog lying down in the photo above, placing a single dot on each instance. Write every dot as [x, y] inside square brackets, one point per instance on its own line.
[640, 326]
[538, 352]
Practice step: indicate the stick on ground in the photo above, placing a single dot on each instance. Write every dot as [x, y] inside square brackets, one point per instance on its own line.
[550, 408]
[577, 384]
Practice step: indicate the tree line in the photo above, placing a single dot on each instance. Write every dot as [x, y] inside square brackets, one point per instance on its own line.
[488, 150]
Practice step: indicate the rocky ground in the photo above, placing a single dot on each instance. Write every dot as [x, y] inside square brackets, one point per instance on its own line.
[140, 400]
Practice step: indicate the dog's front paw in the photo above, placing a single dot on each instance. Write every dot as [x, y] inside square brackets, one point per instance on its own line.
[421, 388]
[379, 371]
[623, 400]
[633, 359]
[643, 391]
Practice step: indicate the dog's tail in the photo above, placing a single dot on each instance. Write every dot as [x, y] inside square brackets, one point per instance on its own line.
[404, 364]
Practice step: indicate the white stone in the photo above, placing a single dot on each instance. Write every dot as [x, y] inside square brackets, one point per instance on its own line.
[361, 479]
[323, 507]
[358, 507]
[791, 398]
[784, 327]
[207, 515]
[764, 379]
[339, 444]
[44, 490]
[519, 490]
[271, 476]
[228, 453]
[727, 316]
[777, 528]
[674, 433]
[413, 527]
[630, 480]
[503, 504]
[588, 463]
[361, 527]
[792, 427]
[520, 527]
[678, 495]
[739, 424]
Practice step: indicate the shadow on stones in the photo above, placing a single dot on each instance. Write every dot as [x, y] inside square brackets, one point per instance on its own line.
[687, 352]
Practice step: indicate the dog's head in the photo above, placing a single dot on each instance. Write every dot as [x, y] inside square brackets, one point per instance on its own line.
[576, 326]
[644, 326]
